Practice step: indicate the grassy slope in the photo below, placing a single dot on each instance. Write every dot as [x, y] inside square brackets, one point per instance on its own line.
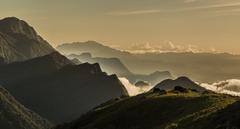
[13, 115]
[163, 111]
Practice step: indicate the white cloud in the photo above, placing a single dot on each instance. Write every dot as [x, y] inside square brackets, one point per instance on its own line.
[134, 12]
[231, 87]
[166, 47]
[199, 5]
[132, 89]
[214, 6]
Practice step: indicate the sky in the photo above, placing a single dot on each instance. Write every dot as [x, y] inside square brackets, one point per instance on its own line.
[134, 24]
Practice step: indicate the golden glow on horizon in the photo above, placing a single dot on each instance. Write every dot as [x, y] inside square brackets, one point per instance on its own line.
[204, 23]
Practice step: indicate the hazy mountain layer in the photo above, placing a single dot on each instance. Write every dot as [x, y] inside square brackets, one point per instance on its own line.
[58, 90]
[16, 116]
[115, 66]
[19, 41]
[201, 67]
[163, 110]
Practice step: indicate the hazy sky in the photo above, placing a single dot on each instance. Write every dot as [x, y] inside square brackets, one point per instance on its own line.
[121, 23]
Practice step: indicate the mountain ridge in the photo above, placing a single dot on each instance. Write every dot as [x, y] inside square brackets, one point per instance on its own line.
[16, 116]
[19, 41]
[56, 84]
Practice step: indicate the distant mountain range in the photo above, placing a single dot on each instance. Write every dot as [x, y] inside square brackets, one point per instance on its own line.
[19, 41]
[115, 66]
[60, 91]
[163, 110]
[93, 47]
[16, 116]
[201, 67]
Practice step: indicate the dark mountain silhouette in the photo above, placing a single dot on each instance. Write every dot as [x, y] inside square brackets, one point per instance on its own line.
[202, 67]
[182, 82]
[38, 67]
[109, 65]
[163, 110]
[1, 60]
[57, 89]
[19, 41]
[115, 66]
[153, 78]
[16, 116]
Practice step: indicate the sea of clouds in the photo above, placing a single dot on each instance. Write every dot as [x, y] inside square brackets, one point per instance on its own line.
[231, 87]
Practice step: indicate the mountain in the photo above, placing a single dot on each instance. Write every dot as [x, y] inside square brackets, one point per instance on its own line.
[19, 41]
[109, 65]
[115, 66]
[152, 78]
[184, 82]
[16, 116]
[163, 110]
[57, 89]
[16, 72]
[1, 60]
[93, 47]
[202, 67]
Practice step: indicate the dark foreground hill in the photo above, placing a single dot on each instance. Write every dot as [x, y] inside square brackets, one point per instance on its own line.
[16, 116]
[163, 110]
[57, 89]
[19, 41]
[181, 81]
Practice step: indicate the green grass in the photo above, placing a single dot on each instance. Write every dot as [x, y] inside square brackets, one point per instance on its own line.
[173, 110]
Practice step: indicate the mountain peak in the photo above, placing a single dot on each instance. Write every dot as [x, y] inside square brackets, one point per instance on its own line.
[184, 78]
[17, 26]
[184, 82]
[19, 41]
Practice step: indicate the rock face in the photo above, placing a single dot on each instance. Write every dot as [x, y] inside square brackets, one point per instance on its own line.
[19, 41]
[184, 82]
[60, 91]
[16, 116]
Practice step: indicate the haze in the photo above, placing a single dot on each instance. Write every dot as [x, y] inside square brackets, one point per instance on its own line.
[208, 24]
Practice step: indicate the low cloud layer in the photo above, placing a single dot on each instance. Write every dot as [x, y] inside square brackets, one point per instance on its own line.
[231, 87]
[132, 89]
[166, 47]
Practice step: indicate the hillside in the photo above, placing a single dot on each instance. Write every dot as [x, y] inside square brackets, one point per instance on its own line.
[16, 116]
[19, 71]
[163, 110]
[60, 91]
[19, 41]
